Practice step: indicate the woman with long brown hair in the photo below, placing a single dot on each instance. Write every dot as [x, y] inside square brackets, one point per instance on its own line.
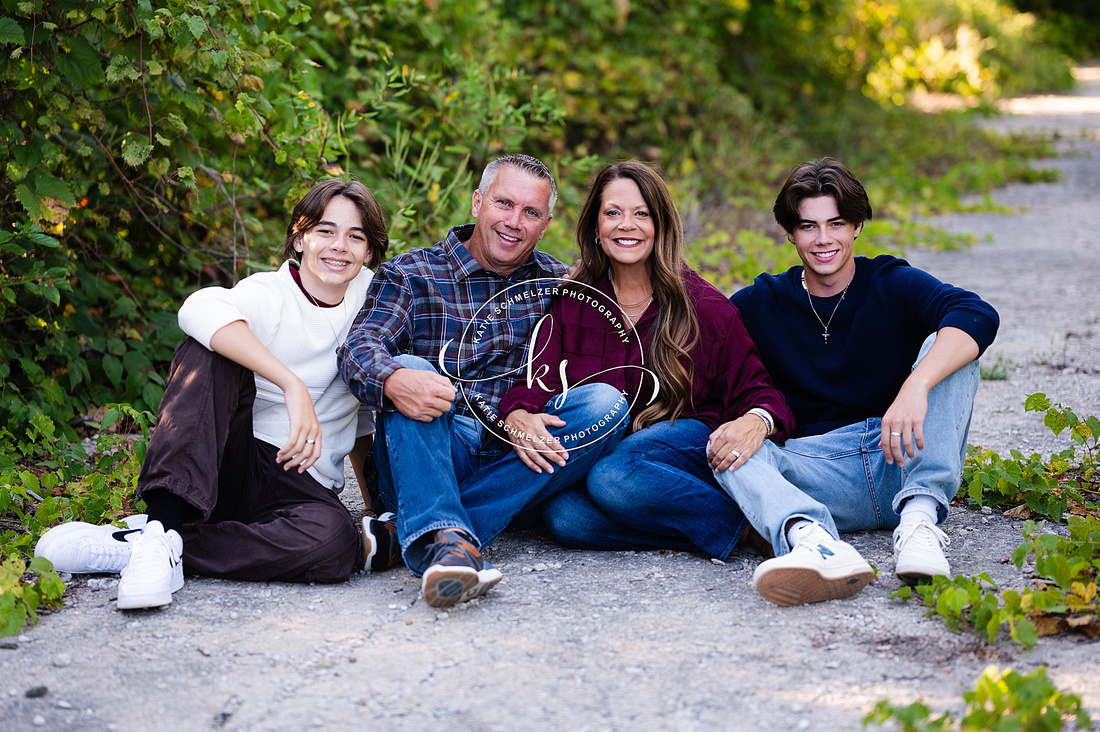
[634, 315]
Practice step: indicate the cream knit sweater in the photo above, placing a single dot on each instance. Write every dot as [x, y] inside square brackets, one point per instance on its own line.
[304, 338]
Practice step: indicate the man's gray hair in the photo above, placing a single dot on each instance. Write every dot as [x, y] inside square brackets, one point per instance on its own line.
[530, 165]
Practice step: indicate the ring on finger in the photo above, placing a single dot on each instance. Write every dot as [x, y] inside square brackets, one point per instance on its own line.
[310, 442]
[895, 434]
[736, 455]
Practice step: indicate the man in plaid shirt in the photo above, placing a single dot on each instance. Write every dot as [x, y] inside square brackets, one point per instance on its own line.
[442, 336]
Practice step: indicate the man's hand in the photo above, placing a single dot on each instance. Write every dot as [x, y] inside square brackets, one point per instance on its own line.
[303, 447]
[536, 447]
[419, 395]
[903, 424]
[733, 443]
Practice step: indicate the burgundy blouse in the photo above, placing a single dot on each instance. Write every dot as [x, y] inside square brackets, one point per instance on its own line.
[586, 331]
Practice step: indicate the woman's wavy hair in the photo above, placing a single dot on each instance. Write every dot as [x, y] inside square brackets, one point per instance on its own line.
[312, 207]
[676, 330]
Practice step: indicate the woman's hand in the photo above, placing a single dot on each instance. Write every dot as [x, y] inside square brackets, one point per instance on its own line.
[535, 446]
[729, 446]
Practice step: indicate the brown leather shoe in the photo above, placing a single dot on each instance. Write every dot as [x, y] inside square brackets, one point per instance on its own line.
[753, 540]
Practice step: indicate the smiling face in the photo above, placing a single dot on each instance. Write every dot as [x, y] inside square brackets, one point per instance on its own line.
[625, 225]
[825, 243]
[511, 218]
[333, 251]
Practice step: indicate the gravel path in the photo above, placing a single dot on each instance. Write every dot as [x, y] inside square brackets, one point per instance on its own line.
[615, 641]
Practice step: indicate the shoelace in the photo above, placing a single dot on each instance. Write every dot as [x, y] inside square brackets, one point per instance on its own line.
[103, 558]
[912, 532]
[149, 554]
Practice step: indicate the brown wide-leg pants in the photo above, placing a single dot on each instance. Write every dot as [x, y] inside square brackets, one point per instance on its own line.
[260, 522]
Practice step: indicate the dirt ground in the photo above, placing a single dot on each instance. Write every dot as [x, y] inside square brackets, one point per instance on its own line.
[615, 641]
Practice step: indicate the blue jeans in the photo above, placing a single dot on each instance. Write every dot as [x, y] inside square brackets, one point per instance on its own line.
[841, 479]
[442, 474]
[655, 491]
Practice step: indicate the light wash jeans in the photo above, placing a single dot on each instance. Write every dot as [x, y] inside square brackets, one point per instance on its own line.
[439, 474]
[841, 479]
[655, 491]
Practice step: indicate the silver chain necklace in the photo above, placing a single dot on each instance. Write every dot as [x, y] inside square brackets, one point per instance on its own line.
[825, 324]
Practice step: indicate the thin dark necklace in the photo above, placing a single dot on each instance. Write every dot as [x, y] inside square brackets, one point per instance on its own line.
[825, 324]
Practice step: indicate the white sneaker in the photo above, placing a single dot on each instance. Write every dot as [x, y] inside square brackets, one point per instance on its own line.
[81, 548]
[155, 569]
[918, 551]
[818, 568]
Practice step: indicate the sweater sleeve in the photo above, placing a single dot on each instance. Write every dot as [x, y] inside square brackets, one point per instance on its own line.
[381, 331]
[210, 309]
[937, 305]
[544, 362]
[745, 382]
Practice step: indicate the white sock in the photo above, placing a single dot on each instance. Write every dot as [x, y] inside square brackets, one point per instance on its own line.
[920, 508]
[799, 529]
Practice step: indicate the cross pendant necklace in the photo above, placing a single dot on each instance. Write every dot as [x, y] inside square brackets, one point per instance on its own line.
[825, 324]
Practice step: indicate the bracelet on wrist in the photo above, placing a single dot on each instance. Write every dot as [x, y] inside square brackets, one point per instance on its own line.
[769, 424]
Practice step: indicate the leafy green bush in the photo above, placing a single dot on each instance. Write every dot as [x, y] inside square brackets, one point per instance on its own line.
[152, 147]
[71, 485]
[1001, 700]
[1062, 600]
[65, 484]
[972, 603]
[1050, 486]
[21, 597]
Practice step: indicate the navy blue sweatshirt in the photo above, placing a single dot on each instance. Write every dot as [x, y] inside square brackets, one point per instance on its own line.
[874, 338]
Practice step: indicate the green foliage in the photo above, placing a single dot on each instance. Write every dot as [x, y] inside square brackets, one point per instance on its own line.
[1006, 701]
[974, 48]
[65, 484]
[25, 588]
[1073, 26]
[1063, 599]
[69, 485]
[1063, 481]
[153, 147]
[972, 603]
[998, 370]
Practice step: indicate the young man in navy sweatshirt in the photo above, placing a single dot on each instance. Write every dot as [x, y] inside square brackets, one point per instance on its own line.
[878, 361]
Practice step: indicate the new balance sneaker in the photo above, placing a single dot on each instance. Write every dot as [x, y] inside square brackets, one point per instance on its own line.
[155, 569]
[380, 546]
[457, 572]
[81, 548]
[918, 551]
[818, 568]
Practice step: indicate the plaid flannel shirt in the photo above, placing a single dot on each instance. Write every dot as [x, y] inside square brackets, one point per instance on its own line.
[432, 298]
